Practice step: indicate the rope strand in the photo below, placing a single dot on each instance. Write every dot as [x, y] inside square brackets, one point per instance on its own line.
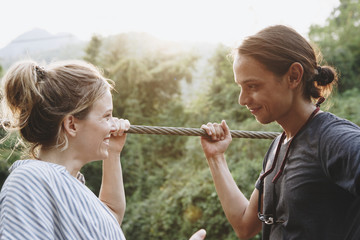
[140, 129]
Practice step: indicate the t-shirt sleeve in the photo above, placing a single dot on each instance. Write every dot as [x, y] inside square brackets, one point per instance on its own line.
[26, 208]
[339, 150]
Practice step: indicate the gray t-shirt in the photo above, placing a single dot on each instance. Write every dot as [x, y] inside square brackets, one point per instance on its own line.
[318, 194]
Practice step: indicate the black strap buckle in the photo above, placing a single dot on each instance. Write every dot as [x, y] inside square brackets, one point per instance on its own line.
[267, 219]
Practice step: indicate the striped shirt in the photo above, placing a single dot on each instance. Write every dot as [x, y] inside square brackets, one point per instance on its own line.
[41, 200]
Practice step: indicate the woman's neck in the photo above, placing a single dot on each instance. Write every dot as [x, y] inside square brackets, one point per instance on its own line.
[64, 158]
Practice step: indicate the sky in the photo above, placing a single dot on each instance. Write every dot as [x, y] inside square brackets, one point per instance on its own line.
[226, 21]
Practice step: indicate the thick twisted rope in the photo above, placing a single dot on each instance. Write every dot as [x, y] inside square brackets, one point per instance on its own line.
[139, 129]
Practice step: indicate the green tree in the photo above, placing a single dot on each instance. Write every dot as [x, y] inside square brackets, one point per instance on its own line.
[147, 73]
[221, 100]
[346, 105]
[244, 156]
[147, 77]
[339, 42]
[92, 50]
[11, 149]
[183, 197]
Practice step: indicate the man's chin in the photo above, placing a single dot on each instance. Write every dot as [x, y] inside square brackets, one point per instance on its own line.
[263, 121]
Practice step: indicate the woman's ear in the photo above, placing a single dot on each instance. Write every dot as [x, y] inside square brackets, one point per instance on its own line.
[295, 74]
[69, 125]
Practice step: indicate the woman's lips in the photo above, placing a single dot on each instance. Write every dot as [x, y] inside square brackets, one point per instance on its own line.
[107, 140]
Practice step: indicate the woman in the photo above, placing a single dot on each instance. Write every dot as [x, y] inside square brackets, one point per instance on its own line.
[65, 112]
[309, 187]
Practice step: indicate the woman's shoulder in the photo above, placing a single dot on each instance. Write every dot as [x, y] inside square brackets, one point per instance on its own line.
[36, 173]
[33, 167]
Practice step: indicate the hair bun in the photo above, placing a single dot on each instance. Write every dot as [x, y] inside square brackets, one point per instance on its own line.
[324, 76]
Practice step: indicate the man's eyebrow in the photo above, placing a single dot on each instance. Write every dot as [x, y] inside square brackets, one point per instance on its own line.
[249, 80]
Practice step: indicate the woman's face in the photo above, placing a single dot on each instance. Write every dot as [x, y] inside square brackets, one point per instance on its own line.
[94, 130]
[265, 94]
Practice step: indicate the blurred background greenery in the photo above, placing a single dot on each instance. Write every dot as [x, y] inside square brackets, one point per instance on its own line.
[169, 190]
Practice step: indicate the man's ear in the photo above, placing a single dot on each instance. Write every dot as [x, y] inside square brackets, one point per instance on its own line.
[295, 74]
[69, 125]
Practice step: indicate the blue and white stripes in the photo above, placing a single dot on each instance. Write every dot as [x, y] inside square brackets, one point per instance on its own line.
[41, 200]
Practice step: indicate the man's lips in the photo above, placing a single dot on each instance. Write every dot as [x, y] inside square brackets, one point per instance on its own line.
[254, 110]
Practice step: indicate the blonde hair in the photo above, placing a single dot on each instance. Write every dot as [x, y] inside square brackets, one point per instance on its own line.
[36, 99]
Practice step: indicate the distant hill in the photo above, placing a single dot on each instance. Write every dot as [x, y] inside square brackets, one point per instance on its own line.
[44, 47]
[41, 45]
